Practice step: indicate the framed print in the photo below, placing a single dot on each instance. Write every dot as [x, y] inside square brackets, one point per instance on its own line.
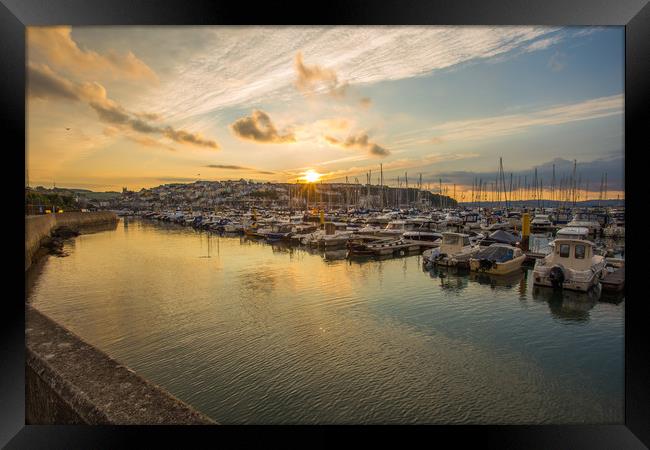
[388, 214]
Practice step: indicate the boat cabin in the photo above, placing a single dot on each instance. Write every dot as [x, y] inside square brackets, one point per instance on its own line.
[574, 254]
[541, 219]
[454, 242]
[572, 233]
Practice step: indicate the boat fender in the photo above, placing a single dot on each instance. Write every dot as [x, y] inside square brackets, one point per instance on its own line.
[557, 277]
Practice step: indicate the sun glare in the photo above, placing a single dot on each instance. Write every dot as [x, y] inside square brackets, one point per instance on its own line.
[311, 176]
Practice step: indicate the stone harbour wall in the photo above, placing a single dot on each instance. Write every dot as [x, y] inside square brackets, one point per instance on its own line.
[37, 228]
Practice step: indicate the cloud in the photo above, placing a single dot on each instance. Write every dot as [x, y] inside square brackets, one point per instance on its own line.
[265, 61]
[557, 61]
[310, 78]
[183, 136]
[232, 167]
[359, 141]
[44, 83]
[545, 43]
[314, 79]
[498, 126]
[148, 142]
[55, 44]
[258, 128]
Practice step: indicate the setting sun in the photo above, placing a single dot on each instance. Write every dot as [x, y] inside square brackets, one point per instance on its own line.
[311, 176]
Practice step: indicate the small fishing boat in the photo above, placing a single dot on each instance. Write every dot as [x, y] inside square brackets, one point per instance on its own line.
[383, 247]
[572, 264]
[497, 259]
[424, 232]
[279, 232]
[455, 250]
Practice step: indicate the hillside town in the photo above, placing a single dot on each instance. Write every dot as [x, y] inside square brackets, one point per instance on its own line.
[209, 195]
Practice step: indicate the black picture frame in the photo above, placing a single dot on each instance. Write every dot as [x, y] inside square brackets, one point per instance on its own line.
[15, 15]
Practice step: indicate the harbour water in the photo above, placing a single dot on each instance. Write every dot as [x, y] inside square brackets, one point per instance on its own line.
[249, 332]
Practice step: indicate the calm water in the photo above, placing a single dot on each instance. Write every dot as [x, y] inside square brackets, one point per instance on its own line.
[252, 333]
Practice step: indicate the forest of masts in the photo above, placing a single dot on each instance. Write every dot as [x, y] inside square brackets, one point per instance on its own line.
[566, 189]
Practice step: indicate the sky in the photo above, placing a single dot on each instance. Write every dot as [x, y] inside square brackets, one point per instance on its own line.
[136, 107]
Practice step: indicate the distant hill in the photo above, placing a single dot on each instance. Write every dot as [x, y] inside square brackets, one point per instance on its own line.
[548, 203]
[91, 195]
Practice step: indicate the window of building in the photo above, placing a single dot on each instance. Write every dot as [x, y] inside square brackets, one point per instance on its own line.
[564, 250]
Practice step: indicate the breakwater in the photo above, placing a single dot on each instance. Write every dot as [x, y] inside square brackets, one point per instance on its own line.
[39, 227]
[68, 381]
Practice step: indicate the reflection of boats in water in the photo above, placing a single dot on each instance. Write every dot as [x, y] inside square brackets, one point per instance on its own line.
[453, 278]
[509, 280]
[614, 298]
[335, 255]
[568, 305]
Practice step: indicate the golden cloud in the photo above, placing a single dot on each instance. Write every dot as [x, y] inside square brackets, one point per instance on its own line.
[258, 127]
[55, 44]
[359, 141]
[44, 83]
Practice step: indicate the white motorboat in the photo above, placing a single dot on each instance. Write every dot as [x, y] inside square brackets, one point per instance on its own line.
[572, 264]
[455, 250]
[585, 220]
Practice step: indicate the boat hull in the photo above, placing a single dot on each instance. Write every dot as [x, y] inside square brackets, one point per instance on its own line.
[499, 268]
[583, 282]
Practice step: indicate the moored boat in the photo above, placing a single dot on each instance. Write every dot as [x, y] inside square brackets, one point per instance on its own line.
[455, 250]
[572, 264]
[497, 259]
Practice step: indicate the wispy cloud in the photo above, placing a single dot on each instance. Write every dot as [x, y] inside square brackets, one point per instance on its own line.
[357, 55]
[557, 61]
[498, 126]
[234, 167]
[543, 44]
